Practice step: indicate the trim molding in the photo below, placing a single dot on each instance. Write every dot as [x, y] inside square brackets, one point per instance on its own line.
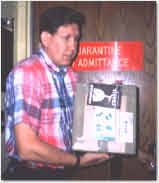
[22, 31]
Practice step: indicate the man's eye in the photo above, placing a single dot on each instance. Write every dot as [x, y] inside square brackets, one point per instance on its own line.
[66, 38]
[77, 38]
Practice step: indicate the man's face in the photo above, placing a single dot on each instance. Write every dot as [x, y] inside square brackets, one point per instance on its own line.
[61, 46]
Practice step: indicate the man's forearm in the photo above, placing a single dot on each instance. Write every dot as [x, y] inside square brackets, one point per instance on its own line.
[43, 152]
[30, 147]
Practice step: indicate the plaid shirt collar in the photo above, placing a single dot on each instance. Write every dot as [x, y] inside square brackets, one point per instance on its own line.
[48, 61]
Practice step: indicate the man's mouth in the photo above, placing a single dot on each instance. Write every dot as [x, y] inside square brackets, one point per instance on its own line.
[70, 57]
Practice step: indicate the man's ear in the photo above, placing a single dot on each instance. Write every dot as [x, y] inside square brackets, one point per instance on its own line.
[44, 38]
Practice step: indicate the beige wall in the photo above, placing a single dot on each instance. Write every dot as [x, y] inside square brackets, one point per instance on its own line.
[20, 11]
[22, 45]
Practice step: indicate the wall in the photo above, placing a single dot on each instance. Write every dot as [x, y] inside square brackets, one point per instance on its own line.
[8, 9]
[127, 21]
[116, 23]
[21, 12]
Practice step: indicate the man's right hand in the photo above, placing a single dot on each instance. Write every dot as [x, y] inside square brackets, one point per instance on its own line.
[89, 159]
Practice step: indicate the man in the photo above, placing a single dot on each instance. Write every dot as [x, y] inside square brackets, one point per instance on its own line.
[39, 103]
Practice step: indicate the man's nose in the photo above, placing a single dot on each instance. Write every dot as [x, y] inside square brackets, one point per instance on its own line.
[73, 45]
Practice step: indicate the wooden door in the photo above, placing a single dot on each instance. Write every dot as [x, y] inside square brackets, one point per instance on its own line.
[7, 54]
[120, 21]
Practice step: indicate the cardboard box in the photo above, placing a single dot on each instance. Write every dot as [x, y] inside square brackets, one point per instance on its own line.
[104, 118]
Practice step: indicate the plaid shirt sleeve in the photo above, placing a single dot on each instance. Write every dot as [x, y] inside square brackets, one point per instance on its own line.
[22, 98]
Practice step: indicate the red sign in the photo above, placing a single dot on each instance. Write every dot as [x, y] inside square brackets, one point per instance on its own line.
[115, 56]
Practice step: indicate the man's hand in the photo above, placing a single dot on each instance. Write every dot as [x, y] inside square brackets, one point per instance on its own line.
[31, 148]
[89, 159]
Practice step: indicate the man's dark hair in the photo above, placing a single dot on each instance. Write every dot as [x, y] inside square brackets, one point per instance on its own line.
[54, 17]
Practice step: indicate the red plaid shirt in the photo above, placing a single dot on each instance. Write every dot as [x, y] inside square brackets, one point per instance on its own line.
[32, 98]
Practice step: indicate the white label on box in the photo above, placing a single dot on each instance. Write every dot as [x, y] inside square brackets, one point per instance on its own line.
[116, 147]
[104, 123]
[125, 127]
[86, 144]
